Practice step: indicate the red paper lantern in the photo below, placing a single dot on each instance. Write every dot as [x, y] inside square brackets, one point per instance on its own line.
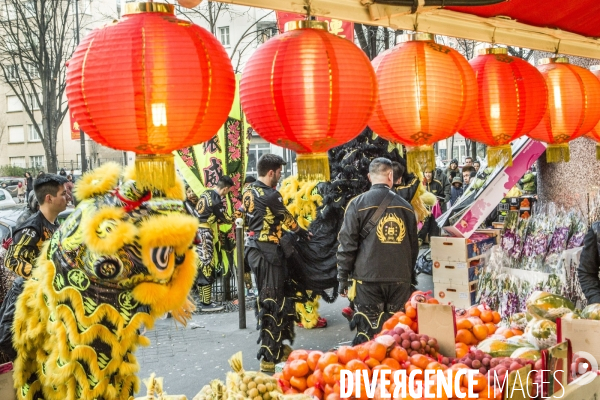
[573, 106]
[151, 83]
[512, 99]
[427, 92]
[594, 134]
[308, 90]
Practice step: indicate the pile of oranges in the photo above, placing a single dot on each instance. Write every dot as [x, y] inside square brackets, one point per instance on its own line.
[317, 374]
[473, 326]
[407, 317]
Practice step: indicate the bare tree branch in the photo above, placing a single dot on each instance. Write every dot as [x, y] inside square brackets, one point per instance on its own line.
[37, 37]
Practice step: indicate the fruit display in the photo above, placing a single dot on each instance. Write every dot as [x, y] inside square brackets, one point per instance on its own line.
[591, 312]
[548, 306]
[501, 347]
[527, 354]
[408, 317]
[241, 384]
[501, 366]
[474, 359]
[519, 320]
[541, 333]
[475, 324]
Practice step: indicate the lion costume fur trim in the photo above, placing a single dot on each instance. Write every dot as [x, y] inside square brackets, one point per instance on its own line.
[98, 181]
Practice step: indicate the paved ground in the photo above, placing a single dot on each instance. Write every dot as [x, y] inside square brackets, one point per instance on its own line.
[189, 358]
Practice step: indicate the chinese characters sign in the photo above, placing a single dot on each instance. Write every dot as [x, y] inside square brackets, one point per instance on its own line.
[338, 27]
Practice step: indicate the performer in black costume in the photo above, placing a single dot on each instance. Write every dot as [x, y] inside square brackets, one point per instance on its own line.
[265, 217]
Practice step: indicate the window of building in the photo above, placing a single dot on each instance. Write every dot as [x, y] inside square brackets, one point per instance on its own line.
[10, 43]
[16, 134]
[13, 104]
[32, 102]
[32, 71]
[224, 35]
[13, 72]
[33, 134]
[30, 11]
[36, 161]
[255, 152]
[17, 162]
[9, 12]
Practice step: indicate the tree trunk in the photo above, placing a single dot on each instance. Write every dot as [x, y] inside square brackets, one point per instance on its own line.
[474, 150]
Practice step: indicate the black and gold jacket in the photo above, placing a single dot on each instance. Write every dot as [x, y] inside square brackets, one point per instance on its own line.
[436, 188]
[407, 190]
[27, 244]
[211, 208]
[389, 252]
[266, 214]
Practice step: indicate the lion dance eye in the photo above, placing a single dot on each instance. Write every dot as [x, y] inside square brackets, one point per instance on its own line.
[107, 267]
[160, 256]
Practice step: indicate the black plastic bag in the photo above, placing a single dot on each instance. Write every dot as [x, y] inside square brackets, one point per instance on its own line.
[424, 263]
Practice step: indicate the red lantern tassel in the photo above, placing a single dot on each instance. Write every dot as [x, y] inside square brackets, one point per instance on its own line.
[419, 158]
[558, 153]
[155, 171]
[313, 167]
[500, 155]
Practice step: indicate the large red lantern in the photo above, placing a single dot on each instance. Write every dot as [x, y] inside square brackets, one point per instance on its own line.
[594, 134]
[150, 83]
[573, 106]
[308, 90]
[512, 99]
[427, 92]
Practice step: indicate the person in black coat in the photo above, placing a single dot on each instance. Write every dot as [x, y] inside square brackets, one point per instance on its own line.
[589, 265]
[457, 190]
[29, 183]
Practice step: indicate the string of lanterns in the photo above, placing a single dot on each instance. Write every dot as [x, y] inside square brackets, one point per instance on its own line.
[152, 83]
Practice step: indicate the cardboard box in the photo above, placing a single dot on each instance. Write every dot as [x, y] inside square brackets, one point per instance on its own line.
[525, 153]
[458, 273]
[583, 334]
[436, 320]
[457, 249]
[514, 203]
[460, 296]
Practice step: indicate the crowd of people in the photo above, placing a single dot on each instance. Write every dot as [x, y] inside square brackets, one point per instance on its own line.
[378, 244]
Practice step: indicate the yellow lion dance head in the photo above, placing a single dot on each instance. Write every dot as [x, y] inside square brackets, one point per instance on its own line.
[122, 258]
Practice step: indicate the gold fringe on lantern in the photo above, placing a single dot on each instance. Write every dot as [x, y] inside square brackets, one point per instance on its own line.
[313, 167]
[558, 153]
[597, 151]
[155, 171]
[420, 158]
[500, 155]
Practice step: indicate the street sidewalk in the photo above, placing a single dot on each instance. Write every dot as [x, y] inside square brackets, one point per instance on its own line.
[189, 358]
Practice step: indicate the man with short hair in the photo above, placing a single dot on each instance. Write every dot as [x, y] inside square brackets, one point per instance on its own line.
[211, 210]
[378, 249]
[468, 162]
[265, 217]
[28, 238]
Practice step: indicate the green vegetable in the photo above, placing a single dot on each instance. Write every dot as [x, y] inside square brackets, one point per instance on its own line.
[541, 333]
[527, 354]
[500, 348]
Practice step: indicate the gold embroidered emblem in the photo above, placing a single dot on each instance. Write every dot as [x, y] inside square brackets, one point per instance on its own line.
[201, 207]
[248, 201]
[391, 229]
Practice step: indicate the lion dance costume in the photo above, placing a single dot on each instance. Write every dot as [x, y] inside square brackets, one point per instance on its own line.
[123, 258]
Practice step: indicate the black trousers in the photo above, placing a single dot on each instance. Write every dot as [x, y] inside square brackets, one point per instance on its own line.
[429, 228]
[275, 306]
[375, 303]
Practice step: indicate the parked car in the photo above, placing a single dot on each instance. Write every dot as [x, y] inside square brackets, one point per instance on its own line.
[6, 199]
[10, 184]
[8, 220]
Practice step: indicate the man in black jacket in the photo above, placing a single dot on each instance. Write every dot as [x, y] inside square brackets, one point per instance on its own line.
[28, 240]
[265, 217]
[379, 258]
[589, 265]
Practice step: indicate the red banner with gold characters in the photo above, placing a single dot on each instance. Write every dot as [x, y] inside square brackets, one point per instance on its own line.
[74, 127]
[338, 27]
